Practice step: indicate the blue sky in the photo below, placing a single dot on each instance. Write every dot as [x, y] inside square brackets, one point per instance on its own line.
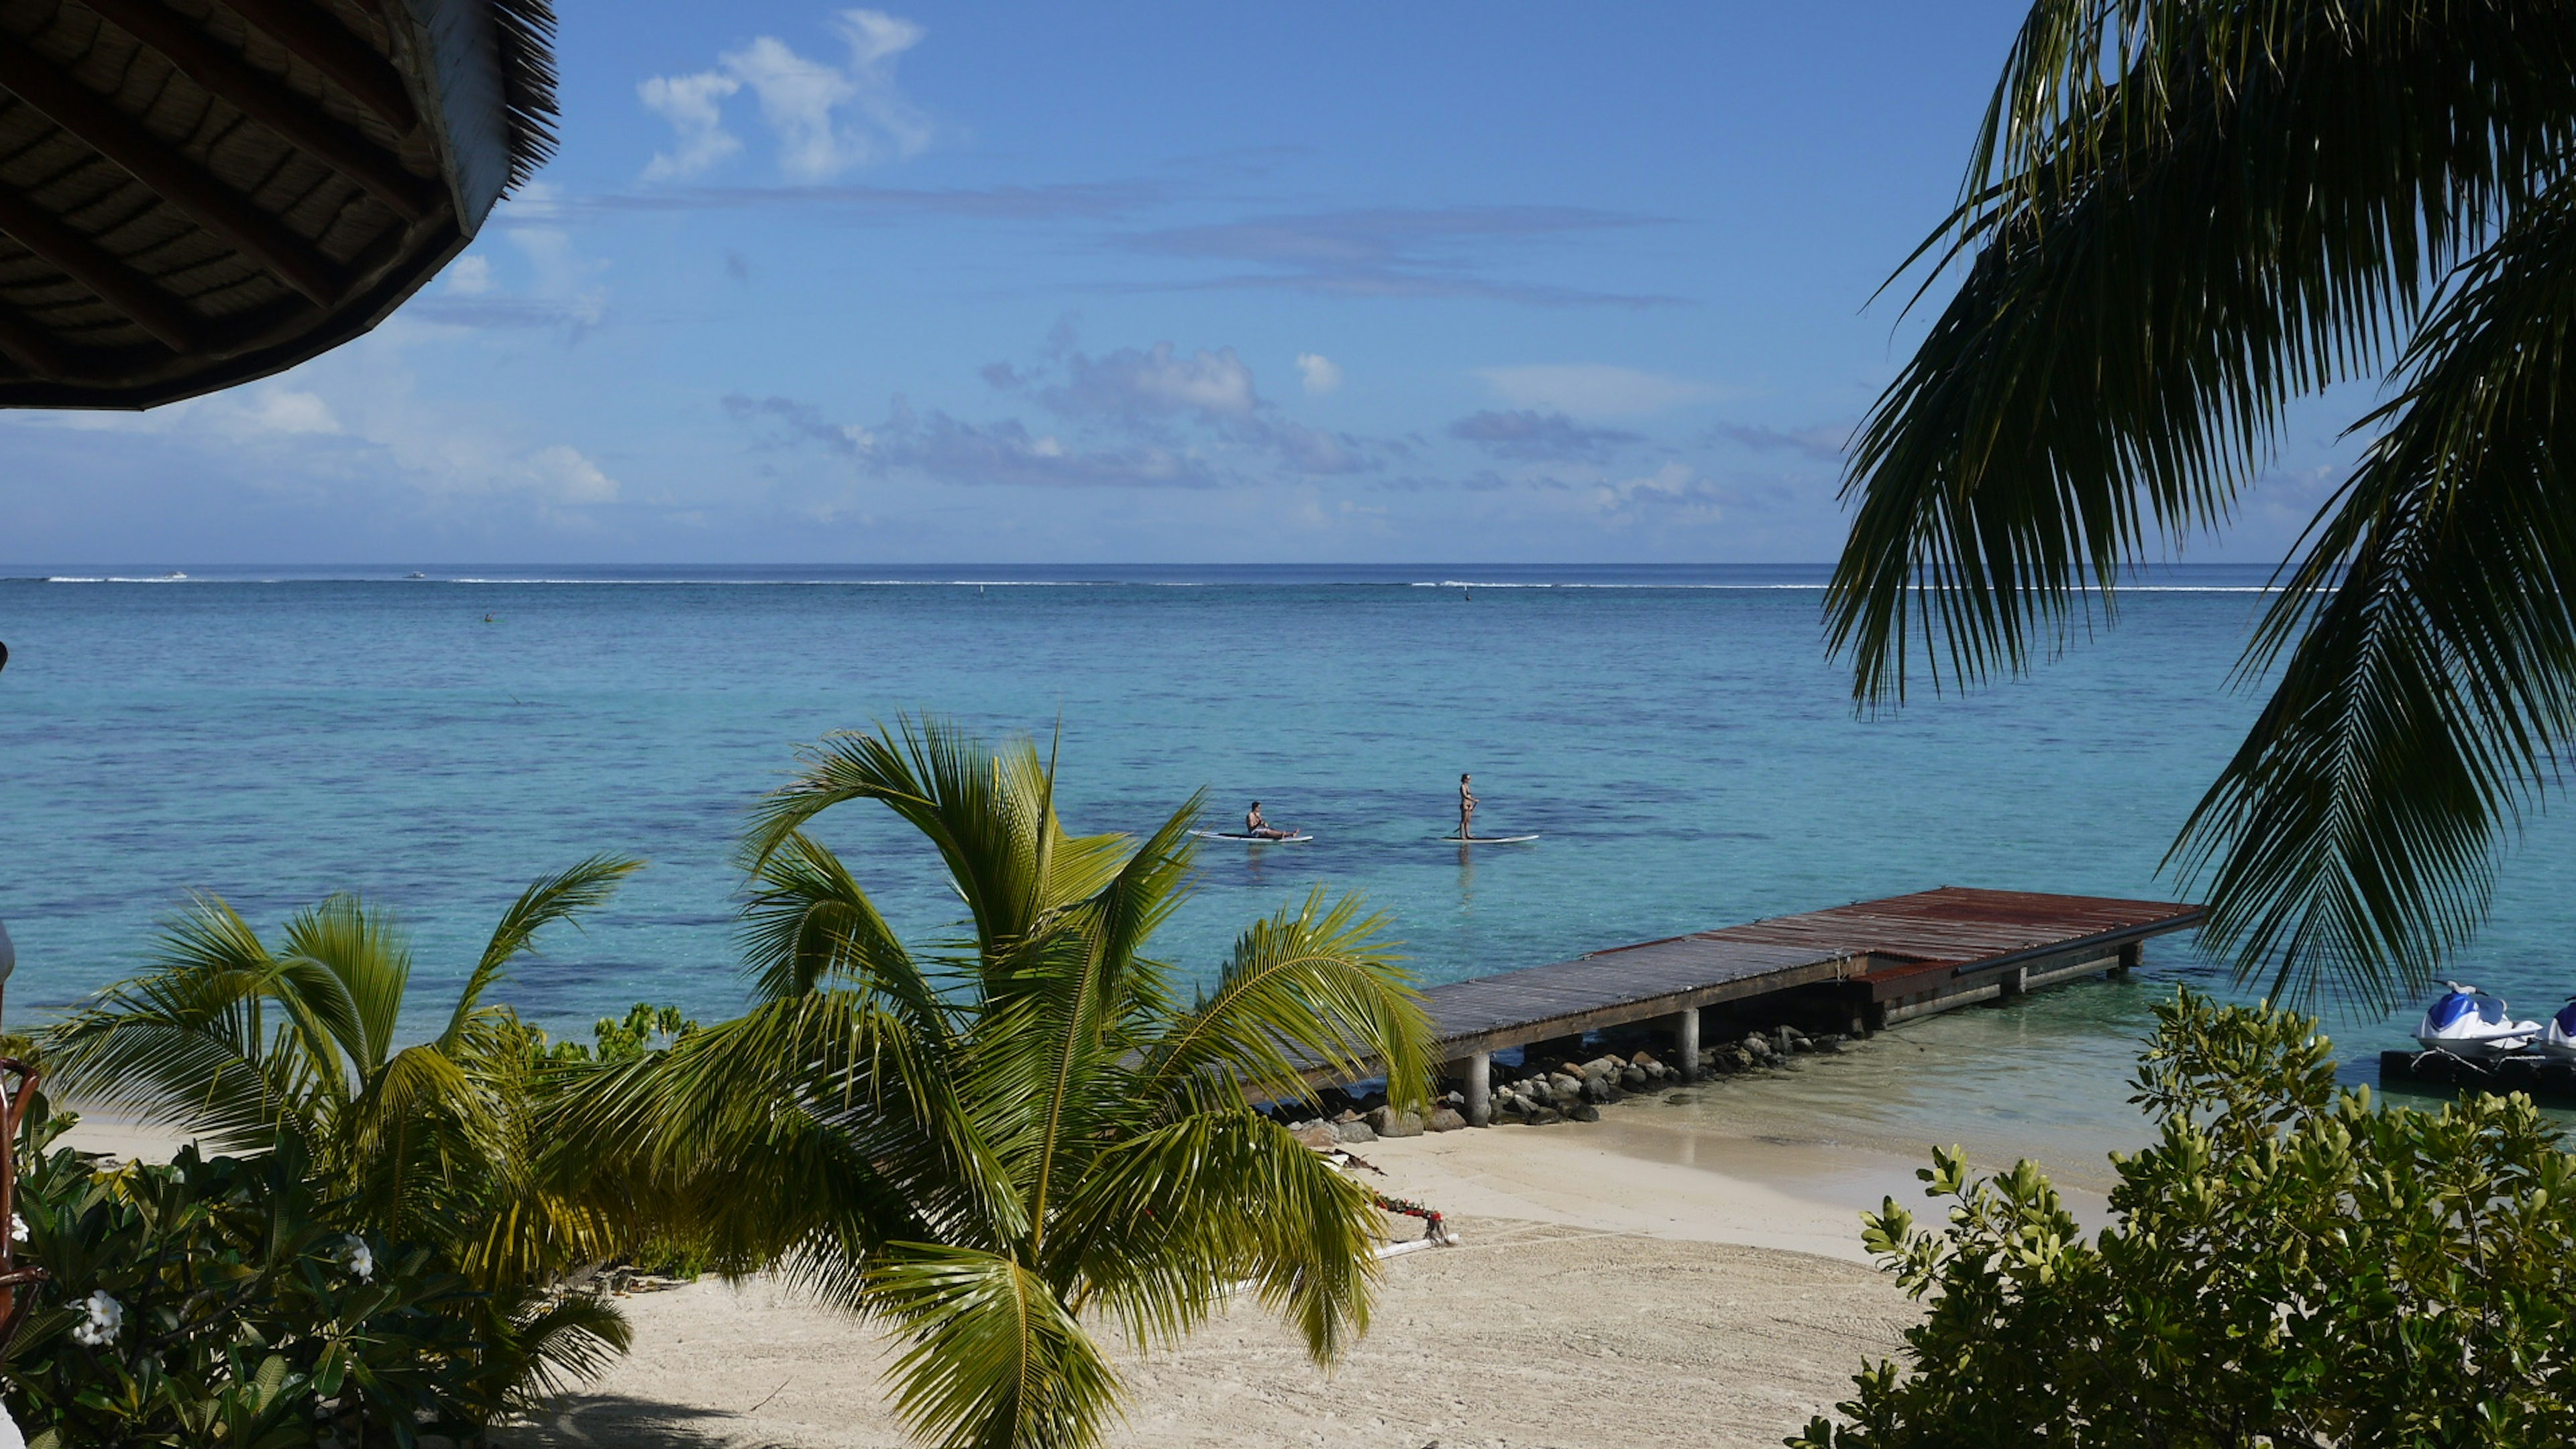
[1121, 282]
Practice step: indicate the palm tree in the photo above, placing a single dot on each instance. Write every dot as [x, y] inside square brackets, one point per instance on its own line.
[996, 1143]
[236, 1042]
[2180, 215]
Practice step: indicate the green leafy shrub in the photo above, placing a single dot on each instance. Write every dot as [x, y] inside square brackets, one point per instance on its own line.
[645, 1028]
[2290, 1265]
[208, 1301]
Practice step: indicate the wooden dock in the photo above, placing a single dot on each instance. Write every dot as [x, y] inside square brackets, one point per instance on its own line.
[1861, 967]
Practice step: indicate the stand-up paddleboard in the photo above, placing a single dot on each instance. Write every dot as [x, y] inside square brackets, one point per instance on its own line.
[1250, 839]
[1485, 839]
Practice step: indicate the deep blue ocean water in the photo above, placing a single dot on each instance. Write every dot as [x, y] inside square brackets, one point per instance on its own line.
[1677, 735]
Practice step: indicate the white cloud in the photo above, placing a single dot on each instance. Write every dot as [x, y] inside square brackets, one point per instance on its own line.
[470, 276]
[827, 118]
[694, 105]
[1319, 372]
[277, 410]
[1132, 382]
[562, 474]
[1592, 389]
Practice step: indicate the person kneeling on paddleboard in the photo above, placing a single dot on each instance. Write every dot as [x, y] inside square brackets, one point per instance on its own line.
[1260, 829]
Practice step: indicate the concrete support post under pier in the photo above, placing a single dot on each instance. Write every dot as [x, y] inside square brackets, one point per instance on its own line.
[1478, 1070]
[1686, 1042]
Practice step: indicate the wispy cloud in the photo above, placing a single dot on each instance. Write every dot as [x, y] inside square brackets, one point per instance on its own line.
[1392, 252]
[943, 448]
[1823, 442]
[1534, 436]
[1593, 390]
[825, 118]
[1154, 416]
[1076, 201]
[1318, 372]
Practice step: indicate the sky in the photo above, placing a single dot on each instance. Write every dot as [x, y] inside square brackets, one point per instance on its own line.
[1124, 283]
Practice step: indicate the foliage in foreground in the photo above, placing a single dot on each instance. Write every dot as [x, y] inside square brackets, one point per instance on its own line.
[2290, 1264]
[996, 1143]
[2179, 217]
[235, 1041]
[287, 1055]
[208, 1303]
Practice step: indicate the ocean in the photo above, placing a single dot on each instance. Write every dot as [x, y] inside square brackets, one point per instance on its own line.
[1676, 735]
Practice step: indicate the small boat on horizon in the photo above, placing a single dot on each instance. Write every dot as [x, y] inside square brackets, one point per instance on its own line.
[2468, 1023]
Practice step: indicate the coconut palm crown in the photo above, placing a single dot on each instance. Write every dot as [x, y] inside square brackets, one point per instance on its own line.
[998, 1143]
[235, 1041]
[2179, 216]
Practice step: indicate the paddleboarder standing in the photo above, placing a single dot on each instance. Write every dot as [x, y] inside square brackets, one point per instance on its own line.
[1466, 810]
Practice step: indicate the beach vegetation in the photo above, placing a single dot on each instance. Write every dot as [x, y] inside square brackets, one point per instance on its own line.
[2291, 1263]
[1027, 1130]
[218, 1301]
[417, 1142]
[2179, 217]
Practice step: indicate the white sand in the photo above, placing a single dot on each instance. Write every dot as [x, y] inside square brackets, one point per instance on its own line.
[1625, 1283]
[1605, 1294]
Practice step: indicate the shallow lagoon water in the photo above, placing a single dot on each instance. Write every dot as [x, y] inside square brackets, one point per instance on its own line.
[1677, 736]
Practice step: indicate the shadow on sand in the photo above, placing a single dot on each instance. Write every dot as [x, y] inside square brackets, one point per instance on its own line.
[623, 1422]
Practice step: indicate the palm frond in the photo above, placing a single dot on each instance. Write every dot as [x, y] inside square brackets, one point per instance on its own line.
[992, 1359]
[2181, 214]
[562, 896]
[558, 1341]
[808, 923]
[2430, 683]
[369, 958]
[1169, 1222]
[1309, 990]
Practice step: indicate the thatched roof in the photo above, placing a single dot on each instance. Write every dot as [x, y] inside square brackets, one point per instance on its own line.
[193, 194]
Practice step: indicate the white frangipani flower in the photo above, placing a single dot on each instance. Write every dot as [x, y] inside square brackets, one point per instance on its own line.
[103, 1320]
[362, 1259]
[17, 1228]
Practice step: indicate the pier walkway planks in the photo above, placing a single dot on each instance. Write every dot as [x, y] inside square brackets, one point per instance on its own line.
[1869, 963]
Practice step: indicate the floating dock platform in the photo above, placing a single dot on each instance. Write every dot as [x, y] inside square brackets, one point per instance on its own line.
[2552, 1083]
[1861, 967]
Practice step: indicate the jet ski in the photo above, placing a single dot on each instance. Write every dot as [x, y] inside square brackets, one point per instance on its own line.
[2558, 1035]
[2466, 1022]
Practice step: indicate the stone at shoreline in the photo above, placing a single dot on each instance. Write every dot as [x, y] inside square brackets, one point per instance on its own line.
[1355, 1131]
[1644, 1059]
[1634, 1079]
[1391, 1122]
[1757, 1047]
[1443, 1120]
[1681, 1099]
[1351, 1115]
[1317, 1135]
[1585, 1113]
[1545, 1115]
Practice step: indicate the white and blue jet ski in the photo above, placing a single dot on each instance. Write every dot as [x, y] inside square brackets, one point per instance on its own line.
[2558, 1034]
[2466, 1022]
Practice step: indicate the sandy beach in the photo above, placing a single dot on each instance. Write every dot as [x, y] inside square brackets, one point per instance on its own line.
[1603, 1294]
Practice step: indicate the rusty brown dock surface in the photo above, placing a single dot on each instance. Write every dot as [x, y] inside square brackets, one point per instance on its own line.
[1863, 965]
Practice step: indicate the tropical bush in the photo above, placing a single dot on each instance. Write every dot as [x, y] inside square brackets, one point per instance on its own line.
[212, 1302]
[998, 1141]
[2292, 1264]
[288, 1056]
[235, 1041]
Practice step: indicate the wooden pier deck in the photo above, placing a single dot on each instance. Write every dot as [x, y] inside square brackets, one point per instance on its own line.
[1867, 964]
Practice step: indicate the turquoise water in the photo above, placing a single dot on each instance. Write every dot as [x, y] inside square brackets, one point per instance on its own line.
[1676, 735]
